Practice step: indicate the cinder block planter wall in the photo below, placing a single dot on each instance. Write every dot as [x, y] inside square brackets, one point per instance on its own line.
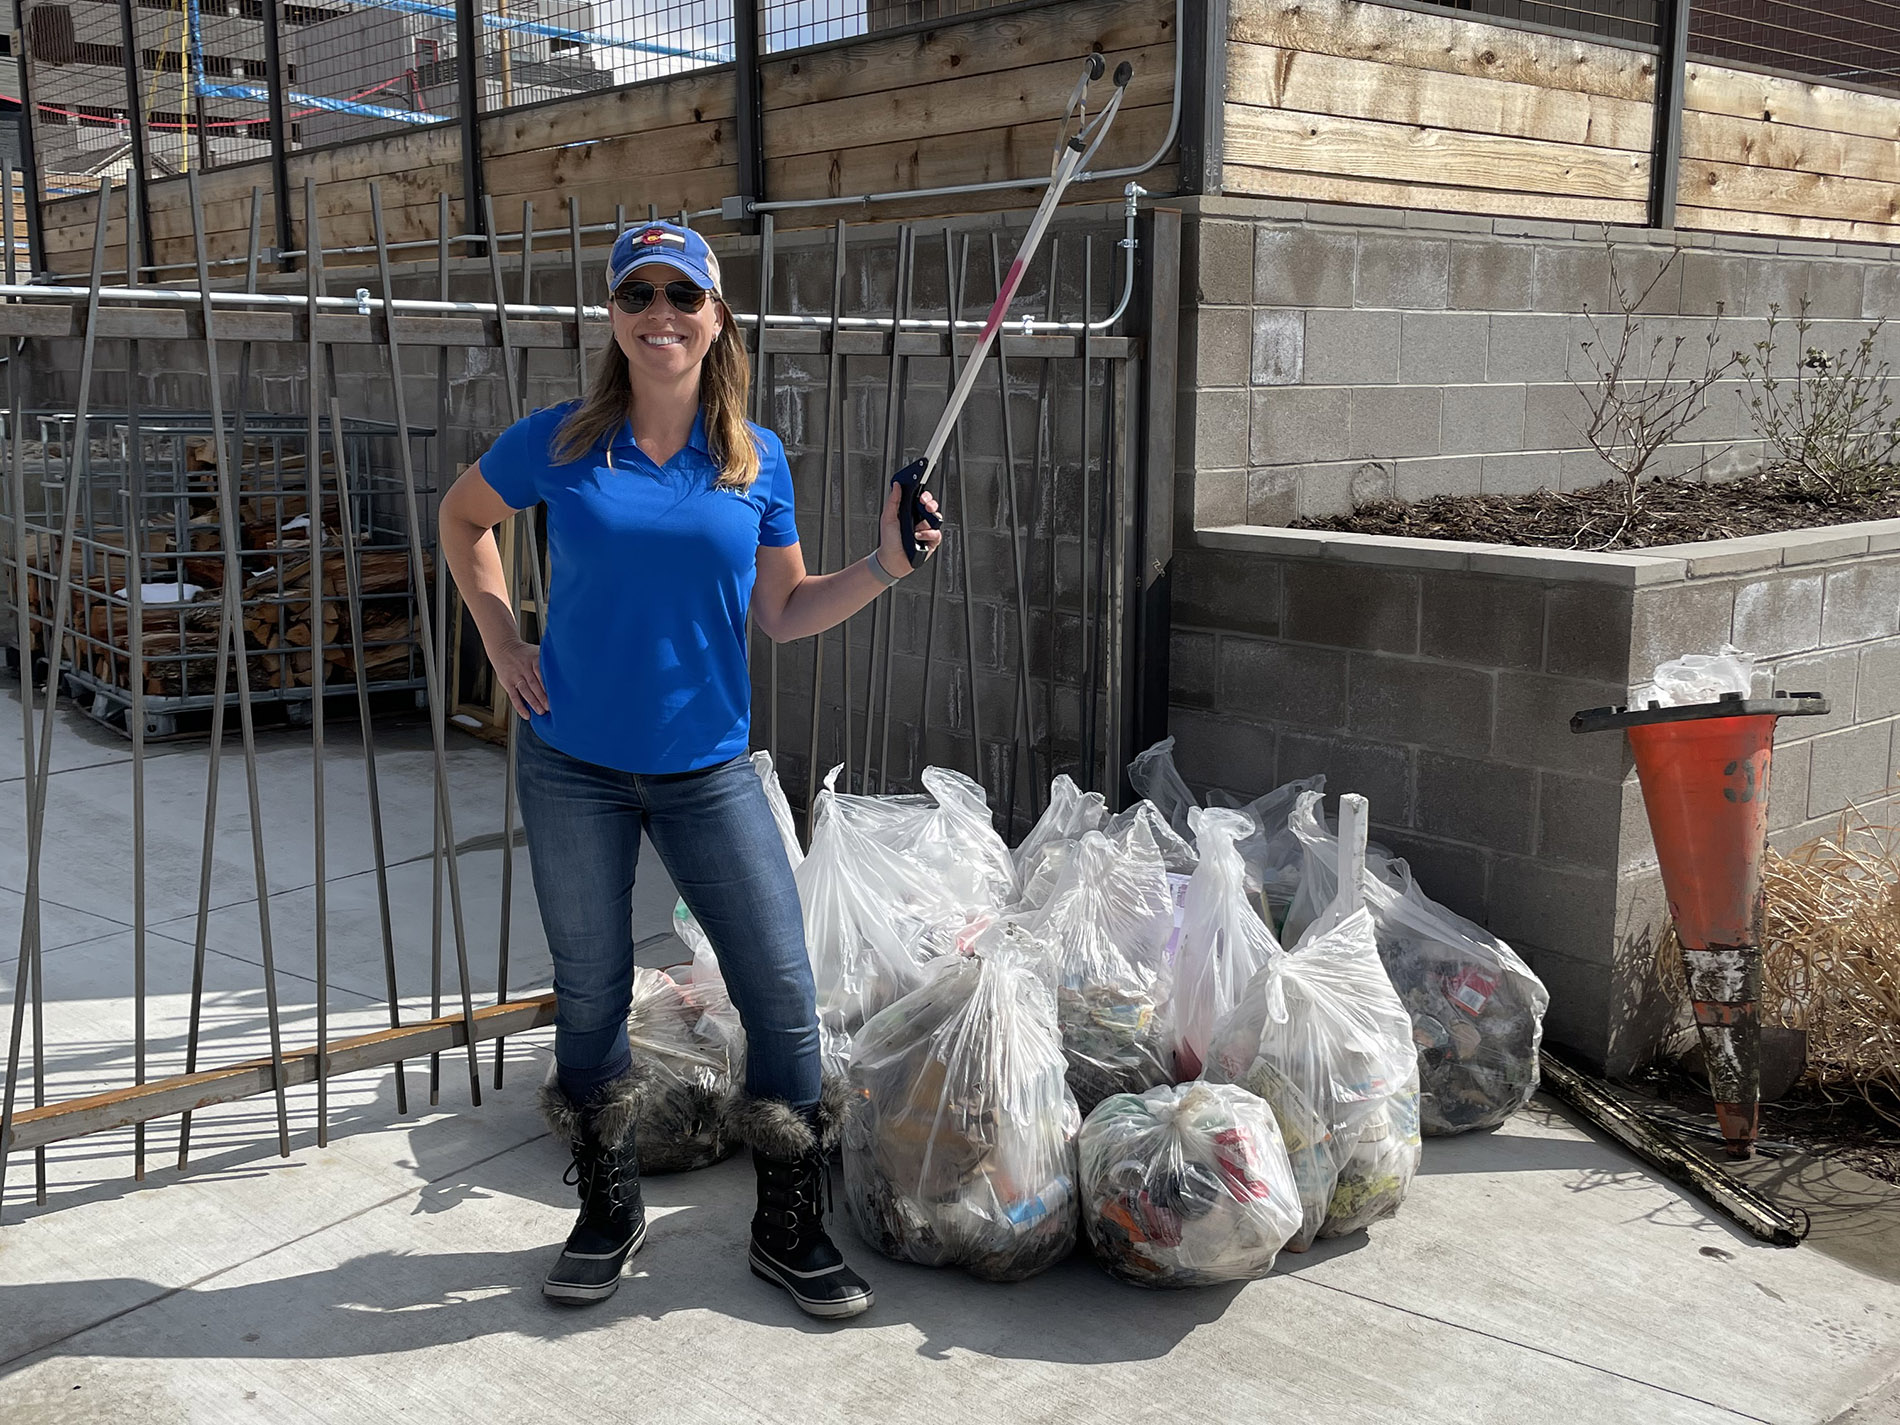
[1439, 678]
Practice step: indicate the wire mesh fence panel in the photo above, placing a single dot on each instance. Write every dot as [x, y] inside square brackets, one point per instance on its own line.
[1848, 41]
[549, 49]
[790, 24]
[1636, 20]
[357, 71]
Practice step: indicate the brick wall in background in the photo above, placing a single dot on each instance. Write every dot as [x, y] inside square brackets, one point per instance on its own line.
[1332, 355]
[1438, 680]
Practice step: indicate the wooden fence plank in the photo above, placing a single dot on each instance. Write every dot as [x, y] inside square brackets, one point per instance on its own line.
[632, 159]
[1707, 184]
[1757, 144]
[1780, 225]
[1032, 94]
[1262, 182]
[1266, 76]
[1358, 148]
[1743, 95]
[975, 46]
[1352, 29]
[1022, 151]
[702, 96]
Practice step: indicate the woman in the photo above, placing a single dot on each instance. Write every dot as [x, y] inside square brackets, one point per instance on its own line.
[669, 515]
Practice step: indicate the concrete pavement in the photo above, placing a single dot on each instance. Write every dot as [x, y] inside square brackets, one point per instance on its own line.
[1534, 1275]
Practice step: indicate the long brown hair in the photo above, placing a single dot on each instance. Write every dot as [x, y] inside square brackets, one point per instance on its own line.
[725, 379]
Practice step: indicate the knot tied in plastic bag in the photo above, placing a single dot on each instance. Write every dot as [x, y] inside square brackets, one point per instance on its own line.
[1224, 945]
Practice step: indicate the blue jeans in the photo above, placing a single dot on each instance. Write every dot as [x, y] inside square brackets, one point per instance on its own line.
[715, 834]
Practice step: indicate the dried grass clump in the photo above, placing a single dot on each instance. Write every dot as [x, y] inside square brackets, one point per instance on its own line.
[1831, 957]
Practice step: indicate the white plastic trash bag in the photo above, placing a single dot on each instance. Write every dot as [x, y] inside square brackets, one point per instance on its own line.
[1154, 775]
[959, 1149]
[1186, 1186]
[957, 841]
[1321, 1035]
[1102, 933]
[1271, 852]
[688, 1058]
[1070, 812]
[1224, 945]
[1697, 678]
[870, 915]
[1477, 1009]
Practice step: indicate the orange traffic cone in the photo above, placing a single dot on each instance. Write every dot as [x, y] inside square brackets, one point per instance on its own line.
[1704, 770]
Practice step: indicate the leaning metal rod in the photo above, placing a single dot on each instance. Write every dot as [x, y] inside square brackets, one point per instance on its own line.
[437, 848]
[893, 448]
[37, 779]
[934, 564]
[957, 287]
[353, 592]
[233, 534]
[1085, 694]
[759, 379]
[893, 416]
[812, 778]
[1045, 485]
[313, 513]
[1022, 593]
[522, 527]
[430, 671]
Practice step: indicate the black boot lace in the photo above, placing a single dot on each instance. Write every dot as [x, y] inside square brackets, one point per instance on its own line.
[603, 1178]
[802, 1202]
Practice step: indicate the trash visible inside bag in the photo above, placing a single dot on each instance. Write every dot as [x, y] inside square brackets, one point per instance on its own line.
[1186, 1186]
[1697, 678]
[871, 920]
[1320, 1034]
[959, 1148]
[1477, 1009]
[1103, 931]
[1224, 944]
[688, 1058]
[1070, 812]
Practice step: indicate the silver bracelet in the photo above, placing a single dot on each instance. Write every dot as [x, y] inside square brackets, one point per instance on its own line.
[878, 571]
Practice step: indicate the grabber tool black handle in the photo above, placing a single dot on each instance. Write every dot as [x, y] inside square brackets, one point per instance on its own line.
[912, 511]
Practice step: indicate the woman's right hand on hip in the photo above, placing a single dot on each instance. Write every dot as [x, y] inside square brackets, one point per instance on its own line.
[518, 666]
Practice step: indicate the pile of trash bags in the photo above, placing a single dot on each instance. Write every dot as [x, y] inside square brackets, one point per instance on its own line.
[1206, 1034]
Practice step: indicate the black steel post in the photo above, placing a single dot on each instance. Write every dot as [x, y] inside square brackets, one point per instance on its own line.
[1146, 636]
[1665, 157]
[1203, 95]
[135, 127]
[29, 151]
[750, 111]
[279, 130]
[468, 81]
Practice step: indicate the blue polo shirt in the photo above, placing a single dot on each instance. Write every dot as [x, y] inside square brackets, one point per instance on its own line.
[643, 646]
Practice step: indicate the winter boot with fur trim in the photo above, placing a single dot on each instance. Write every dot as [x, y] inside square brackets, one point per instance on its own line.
[791, 1154]
[606, 1172]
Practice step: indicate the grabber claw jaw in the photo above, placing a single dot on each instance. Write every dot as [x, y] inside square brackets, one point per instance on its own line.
[911, 510]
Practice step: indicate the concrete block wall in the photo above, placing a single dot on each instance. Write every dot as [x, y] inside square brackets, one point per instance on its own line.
[1438, 679]
[1332, 355]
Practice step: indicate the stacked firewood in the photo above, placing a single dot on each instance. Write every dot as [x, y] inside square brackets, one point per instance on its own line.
[184, 587]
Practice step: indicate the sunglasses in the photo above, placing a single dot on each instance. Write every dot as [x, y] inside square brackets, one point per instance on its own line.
[635, 297]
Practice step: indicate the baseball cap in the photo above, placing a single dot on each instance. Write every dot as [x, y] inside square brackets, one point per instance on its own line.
[679, 248]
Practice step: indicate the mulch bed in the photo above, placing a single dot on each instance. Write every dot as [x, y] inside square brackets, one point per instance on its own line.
[1673, 512]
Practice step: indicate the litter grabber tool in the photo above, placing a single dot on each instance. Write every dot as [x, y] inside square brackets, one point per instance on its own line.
[1081, 136]
[1704, 771]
